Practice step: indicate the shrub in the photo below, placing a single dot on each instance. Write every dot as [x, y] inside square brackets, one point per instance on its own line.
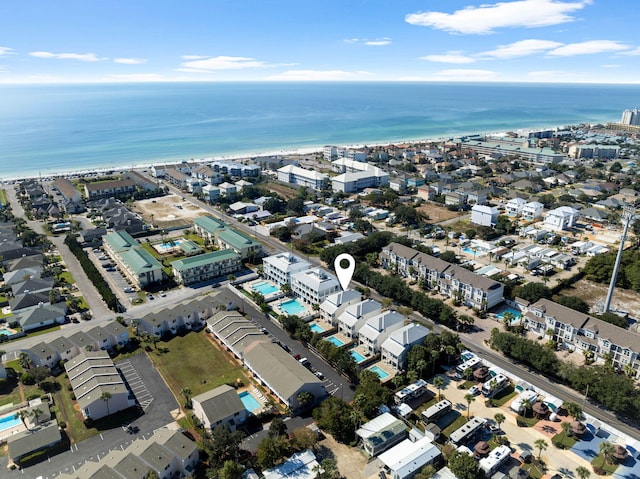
[62, 425]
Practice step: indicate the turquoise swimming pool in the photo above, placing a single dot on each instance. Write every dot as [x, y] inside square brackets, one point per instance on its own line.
[316, 328]
[250, 403]
[473, 251]
[357, 357]
[292, 307]
[381, 373]
[265, 288]
[516, 313]
[4, 332]
[8, 422]
[167, 247]
[335, 341]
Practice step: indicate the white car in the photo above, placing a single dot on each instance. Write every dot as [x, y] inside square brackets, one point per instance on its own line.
[474, 390]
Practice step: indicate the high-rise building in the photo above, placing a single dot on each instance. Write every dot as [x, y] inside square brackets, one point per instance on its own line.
[631, 117]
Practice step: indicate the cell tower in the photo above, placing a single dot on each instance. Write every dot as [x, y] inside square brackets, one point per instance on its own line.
[627, 216]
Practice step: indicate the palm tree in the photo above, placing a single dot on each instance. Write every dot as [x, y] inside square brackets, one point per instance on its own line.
[25, 361]
[105, 396]
[574, 410]
[23, 414]
[606, 449]
[499, 418]
[438, 382]
[526, 405]
[36, 413]
[468, 372]
[542, 445]
[582, 472]
[566, 427]
[186, 392]
[469, 398]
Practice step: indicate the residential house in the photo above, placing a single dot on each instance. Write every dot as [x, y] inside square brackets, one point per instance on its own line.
[561, 219]
[40, 316]
[407, 458]
[377, 329]
[381, 433]
[532, 211]
[395, 348]
[337, 303]
[220, 405]
[354, 317]
[483, 215]
[514, 207]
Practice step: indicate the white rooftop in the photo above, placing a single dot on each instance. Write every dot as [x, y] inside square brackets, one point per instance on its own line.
[408, 457]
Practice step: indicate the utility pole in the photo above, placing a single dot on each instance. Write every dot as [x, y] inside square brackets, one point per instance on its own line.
[627, 216]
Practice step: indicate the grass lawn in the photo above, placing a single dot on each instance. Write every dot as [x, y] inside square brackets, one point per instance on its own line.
[527, 421]
[609, 469]
[563, 441]
[66, 411]
[504, 396]
[3, 198]
[66, 276]
[11, 395]
[192, 362]
[462, 419]
[533, 470]
[3, 299]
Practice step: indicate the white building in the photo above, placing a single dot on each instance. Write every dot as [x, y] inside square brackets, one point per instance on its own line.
[484, 215]
[299, 176]
[378, 328]
[314, 285]
[302, 465]
[532, 211]
[561, 218]
[354, 317]
[335, 304]
[395, 348]
[279, 267]
[356, 175]
[407, 458]
[514, 206]
[494, 460]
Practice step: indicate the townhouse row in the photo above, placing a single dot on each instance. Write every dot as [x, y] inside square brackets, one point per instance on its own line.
[451, 280]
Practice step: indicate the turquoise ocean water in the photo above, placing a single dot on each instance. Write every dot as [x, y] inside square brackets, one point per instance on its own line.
[50, 129]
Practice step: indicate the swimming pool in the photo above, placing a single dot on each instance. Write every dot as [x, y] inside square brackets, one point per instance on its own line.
[335, 341]
[265, 288]
[473, 251]
[381, 373]
[167, 247]
[516, 313]
[8, 422]
[4, 332]
[316, 328]
[250, 403]
[357, 357]
[292, 307]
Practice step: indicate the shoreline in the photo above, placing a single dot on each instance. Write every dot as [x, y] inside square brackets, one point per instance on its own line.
[256, 155]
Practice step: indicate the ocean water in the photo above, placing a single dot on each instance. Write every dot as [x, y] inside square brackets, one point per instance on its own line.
[50, 129]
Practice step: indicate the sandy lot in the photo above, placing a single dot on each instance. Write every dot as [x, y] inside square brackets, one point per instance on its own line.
[170, 210]
[593, 293]
[438, 213]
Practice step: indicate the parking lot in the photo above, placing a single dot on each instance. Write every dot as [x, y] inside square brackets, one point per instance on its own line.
[135, 383]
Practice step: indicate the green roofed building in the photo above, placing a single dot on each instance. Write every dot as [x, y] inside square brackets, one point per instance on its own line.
[189, 248]
[206, 227]
[203, 267]
[242, 244]
[138, 265]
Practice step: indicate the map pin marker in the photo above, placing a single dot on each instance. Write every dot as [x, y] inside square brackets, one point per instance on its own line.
[344, 274]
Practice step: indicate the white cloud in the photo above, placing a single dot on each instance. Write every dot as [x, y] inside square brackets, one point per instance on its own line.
[487, 18]
[378, 42]
[463, 74]
[224, 63]
[319, 75]
[192, 70]
[587, 48]
[83, 57]
[449, 57]
[193, 57]
[633, 52]
[522, 48]
[130, 61]
[5, 51]
[611, 65]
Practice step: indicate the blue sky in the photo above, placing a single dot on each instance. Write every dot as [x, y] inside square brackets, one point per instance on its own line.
[328, 40]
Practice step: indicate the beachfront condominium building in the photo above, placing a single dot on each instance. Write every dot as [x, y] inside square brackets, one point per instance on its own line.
[136, 263]
[631, 117]
[582, 332]
[561, 219]
[395, 348]
[299, 176]
[207, 266]
[337, 303]
[452, 280]
[314, 285]
[279, 267]
[506, 147]
[356, 176]
[108, 189]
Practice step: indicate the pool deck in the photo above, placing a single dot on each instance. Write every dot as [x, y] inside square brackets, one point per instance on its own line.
[386, 368]
[257, 395]
[307, 313]
[341, 337]
[7, 433]
[248, 287]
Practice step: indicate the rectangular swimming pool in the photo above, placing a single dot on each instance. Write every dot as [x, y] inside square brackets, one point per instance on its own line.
[336, 341]
[292, 307]
[357, 357]
[265, 288]
[250, 403]
[8, 422]
[381, 374]
[316, 328]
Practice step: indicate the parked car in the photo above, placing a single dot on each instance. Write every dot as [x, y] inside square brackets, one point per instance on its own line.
[473, 390]
[129, 290]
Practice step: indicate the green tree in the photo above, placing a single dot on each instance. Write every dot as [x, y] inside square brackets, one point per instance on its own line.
[231, 470]
[606, 450]
[305, 399]
[463, 465]
[106, 396]
[499, 418]
[541, 445]
[532, 292]
[304, 438]
[438, 382]
[573, 302]
[186, 393]
[582, 472]
[271, 450]
[327, 469]
[223, 445]
[277, 428]
[36, 413]
[573, 409]
[469, 398]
